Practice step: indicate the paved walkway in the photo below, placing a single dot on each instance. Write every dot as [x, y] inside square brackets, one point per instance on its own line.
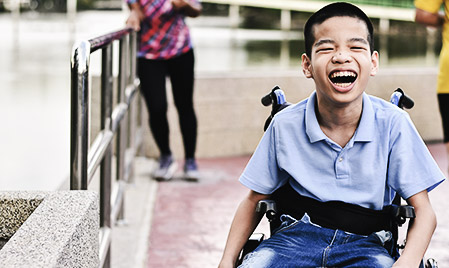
[184, 224]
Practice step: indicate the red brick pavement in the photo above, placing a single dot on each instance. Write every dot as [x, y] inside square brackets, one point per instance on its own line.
[191, 220]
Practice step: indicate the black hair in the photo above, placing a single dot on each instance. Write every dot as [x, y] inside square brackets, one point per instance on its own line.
[339, 9]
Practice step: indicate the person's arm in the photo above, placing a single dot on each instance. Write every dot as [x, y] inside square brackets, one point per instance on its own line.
[428, 18]
[189, 8]
[135, 16]
[420, 231]
[245, 221]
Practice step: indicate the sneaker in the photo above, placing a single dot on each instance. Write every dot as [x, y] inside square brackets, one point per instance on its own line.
[191, 170]
[167, 168]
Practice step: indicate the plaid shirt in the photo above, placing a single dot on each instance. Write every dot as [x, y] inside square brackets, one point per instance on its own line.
[164, 33]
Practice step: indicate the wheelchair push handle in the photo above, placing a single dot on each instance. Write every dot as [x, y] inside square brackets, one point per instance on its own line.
[267, 100]
[400, 99]
[275, 97]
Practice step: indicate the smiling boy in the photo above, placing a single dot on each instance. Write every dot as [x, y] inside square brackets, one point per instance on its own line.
[339, 145]
[340, 62]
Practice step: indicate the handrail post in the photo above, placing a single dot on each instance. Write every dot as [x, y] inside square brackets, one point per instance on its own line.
[79, 138]
[133, 58]
[131, 77]
[135, 112]
[140, 110]
[106, 165]
[121, 98]
[121, 134]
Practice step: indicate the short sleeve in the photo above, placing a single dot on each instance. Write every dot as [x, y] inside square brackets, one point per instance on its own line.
[411, 168]
[432, 6]
[262, 173]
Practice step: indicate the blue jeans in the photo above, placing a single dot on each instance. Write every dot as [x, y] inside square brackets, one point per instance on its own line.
[304, 244]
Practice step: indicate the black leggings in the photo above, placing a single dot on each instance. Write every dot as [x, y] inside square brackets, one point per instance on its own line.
[152, 74]
[443, 101]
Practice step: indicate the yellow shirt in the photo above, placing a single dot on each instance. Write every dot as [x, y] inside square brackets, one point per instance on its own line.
[433, 6]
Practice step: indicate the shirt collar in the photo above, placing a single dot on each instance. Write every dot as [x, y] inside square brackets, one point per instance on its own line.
[364, 132]
[313, 129]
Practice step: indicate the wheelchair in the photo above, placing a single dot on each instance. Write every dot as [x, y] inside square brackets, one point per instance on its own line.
[395, 215]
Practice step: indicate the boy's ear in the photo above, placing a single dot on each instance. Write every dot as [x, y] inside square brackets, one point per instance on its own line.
[375, 63]
[306, 66]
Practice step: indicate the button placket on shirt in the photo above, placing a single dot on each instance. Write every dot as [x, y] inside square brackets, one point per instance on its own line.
[341, 165]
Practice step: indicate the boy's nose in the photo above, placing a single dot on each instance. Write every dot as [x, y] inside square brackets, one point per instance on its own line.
[341, 57]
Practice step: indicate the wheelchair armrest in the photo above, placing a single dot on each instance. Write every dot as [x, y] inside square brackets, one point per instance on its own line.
[402, 213]
[268, 207]
[253, 242]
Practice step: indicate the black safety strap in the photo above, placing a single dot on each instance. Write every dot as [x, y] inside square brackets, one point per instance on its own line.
[334, 214]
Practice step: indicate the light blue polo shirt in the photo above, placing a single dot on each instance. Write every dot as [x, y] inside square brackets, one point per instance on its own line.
[386, 155]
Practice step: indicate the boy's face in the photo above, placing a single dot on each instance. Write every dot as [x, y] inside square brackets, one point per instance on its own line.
[341, 61]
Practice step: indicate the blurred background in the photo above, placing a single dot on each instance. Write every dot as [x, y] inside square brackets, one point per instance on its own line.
[38, 35]
[238, 58]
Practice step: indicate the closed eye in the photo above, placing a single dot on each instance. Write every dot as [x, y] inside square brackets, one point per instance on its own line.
[358, 48]
[327, 49]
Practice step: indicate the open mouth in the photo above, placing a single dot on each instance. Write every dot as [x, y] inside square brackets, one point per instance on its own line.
[343, 78]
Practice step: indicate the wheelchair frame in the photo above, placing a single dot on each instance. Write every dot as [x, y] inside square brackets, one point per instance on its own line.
[399, 213]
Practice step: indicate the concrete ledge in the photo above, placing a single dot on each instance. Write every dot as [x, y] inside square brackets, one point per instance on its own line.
[15, 208]
[62, 231]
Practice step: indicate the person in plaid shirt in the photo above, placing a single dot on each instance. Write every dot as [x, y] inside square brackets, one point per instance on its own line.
[165, 49]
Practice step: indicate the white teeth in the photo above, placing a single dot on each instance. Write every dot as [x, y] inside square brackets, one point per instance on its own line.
[343, 84]
[343, 73]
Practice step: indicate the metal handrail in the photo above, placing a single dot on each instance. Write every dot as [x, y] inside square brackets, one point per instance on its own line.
[121, 121]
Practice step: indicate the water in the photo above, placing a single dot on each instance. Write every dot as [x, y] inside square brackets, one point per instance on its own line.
[35, 96]
[220, 48]
[35, 79]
